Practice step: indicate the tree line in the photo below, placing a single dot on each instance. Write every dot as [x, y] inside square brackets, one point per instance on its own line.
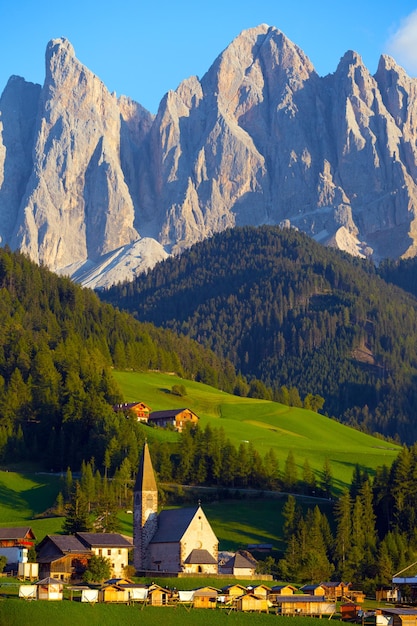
[286, 311]
[58, 346]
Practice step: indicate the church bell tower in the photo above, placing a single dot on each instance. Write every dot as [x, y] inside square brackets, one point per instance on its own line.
[145, 510]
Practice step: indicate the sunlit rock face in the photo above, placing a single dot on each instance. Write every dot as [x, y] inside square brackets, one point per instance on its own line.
[97, 187]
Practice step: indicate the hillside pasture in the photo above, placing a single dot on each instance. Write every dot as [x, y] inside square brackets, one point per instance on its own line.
[265, 424]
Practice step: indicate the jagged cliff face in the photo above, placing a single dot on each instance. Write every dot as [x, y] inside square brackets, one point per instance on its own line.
[99, 188]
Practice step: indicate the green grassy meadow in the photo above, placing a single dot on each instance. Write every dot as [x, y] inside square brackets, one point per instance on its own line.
[65, 613]
[266, 424]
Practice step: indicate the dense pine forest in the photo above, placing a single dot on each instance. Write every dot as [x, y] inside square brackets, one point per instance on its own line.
[294, 315]
[58, 344]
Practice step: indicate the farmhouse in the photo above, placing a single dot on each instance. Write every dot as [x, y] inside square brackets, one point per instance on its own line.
[176, 418]
[176, 540]
[140, 409]
[113, 546]
[65, 557]
[15, 542]
[62, 557]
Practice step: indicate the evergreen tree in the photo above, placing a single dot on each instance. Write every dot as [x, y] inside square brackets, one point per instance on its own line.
[77, 514]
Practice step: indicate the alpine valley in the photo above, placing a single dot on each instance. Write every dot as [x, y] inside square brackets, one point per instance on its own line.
[96, 187]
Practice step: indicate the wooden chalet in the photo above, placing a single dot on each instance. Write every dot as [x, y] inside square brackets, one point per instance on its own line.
[175, 418]
[113, 592]
[336, 590]
[14, 545]
[17, 536]
[140, 409]
[63, 557]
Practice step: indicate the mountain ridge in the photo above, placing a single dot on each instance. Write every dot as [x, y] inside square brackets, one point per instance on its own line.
[260, 139]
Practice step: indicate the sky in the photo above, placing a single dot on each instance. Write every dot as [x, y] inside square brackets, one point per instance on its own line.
[142, 49]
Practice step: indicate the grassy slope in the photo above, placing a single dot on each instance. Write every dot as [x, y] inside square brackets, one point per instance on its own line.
[266, 424]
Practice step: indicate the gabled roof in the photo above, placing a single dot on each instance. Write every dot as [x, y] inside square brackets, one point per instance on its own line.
[279, 587]
[200, 557]
[62, 544]
[50, 581]
[241, 560]
[172, 524]
[103, 540]
[309, 587]
[126, 406]
[235, 586]
[168, 413]
[16, 532]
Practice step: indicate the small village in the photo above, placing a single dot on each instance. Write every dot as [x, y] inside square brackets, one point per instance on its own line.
[180, 543]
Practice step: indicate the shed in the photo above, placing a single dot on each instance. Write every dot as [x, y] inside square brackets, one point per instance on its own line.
[252, 602]
[349, 611]
[205, 598]
[158, 596]
[313, 590]
[282, 590]
[302, 604]
[233, 591]
[401, 616]
[113, 593]
[50, 589]
[261, 590]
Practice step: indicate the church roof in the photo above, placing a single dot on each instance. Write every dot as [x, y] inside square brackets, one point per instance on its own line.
[145, 479]
[172, 524]
[200, 557]
[103, 540]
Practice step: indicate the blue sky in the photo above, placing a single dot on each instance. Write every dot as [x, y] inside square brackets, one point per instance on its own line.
[143, 49]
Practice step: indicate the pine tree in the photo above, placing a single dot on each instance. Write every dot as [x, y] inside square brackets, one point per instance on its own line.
[77, 515]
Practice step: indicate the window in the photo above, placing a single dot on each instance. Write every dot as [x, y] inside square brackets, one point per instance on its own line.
[109, 552]
[119, 551]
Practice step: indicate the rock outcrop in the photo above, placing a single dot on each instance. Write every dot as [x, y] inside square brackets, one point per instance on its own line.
[96, 186]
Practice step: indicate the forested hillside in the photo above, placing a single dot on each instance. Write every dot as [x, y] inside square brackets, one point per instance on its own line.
[293, 314]
[58, 344]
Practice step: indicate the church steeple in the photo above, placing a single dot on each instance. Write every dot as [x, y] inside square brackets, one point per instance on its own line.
[145, 478]
[145, 510]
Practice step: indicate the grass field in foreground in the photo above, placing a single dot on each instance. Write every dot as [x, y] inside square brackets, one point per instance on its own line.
[266, 424]
[66, 613]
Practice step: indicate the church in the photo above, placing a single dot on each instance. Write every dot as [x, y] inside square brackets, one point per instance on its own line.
[175, 541]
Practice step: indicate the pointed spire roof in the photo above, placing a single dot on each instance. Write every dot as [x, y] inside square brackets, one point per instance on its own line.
[145, 479]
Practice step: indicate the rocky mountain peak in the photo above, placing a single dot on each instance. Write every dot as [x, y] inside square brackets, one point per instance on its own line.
[91, 184]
